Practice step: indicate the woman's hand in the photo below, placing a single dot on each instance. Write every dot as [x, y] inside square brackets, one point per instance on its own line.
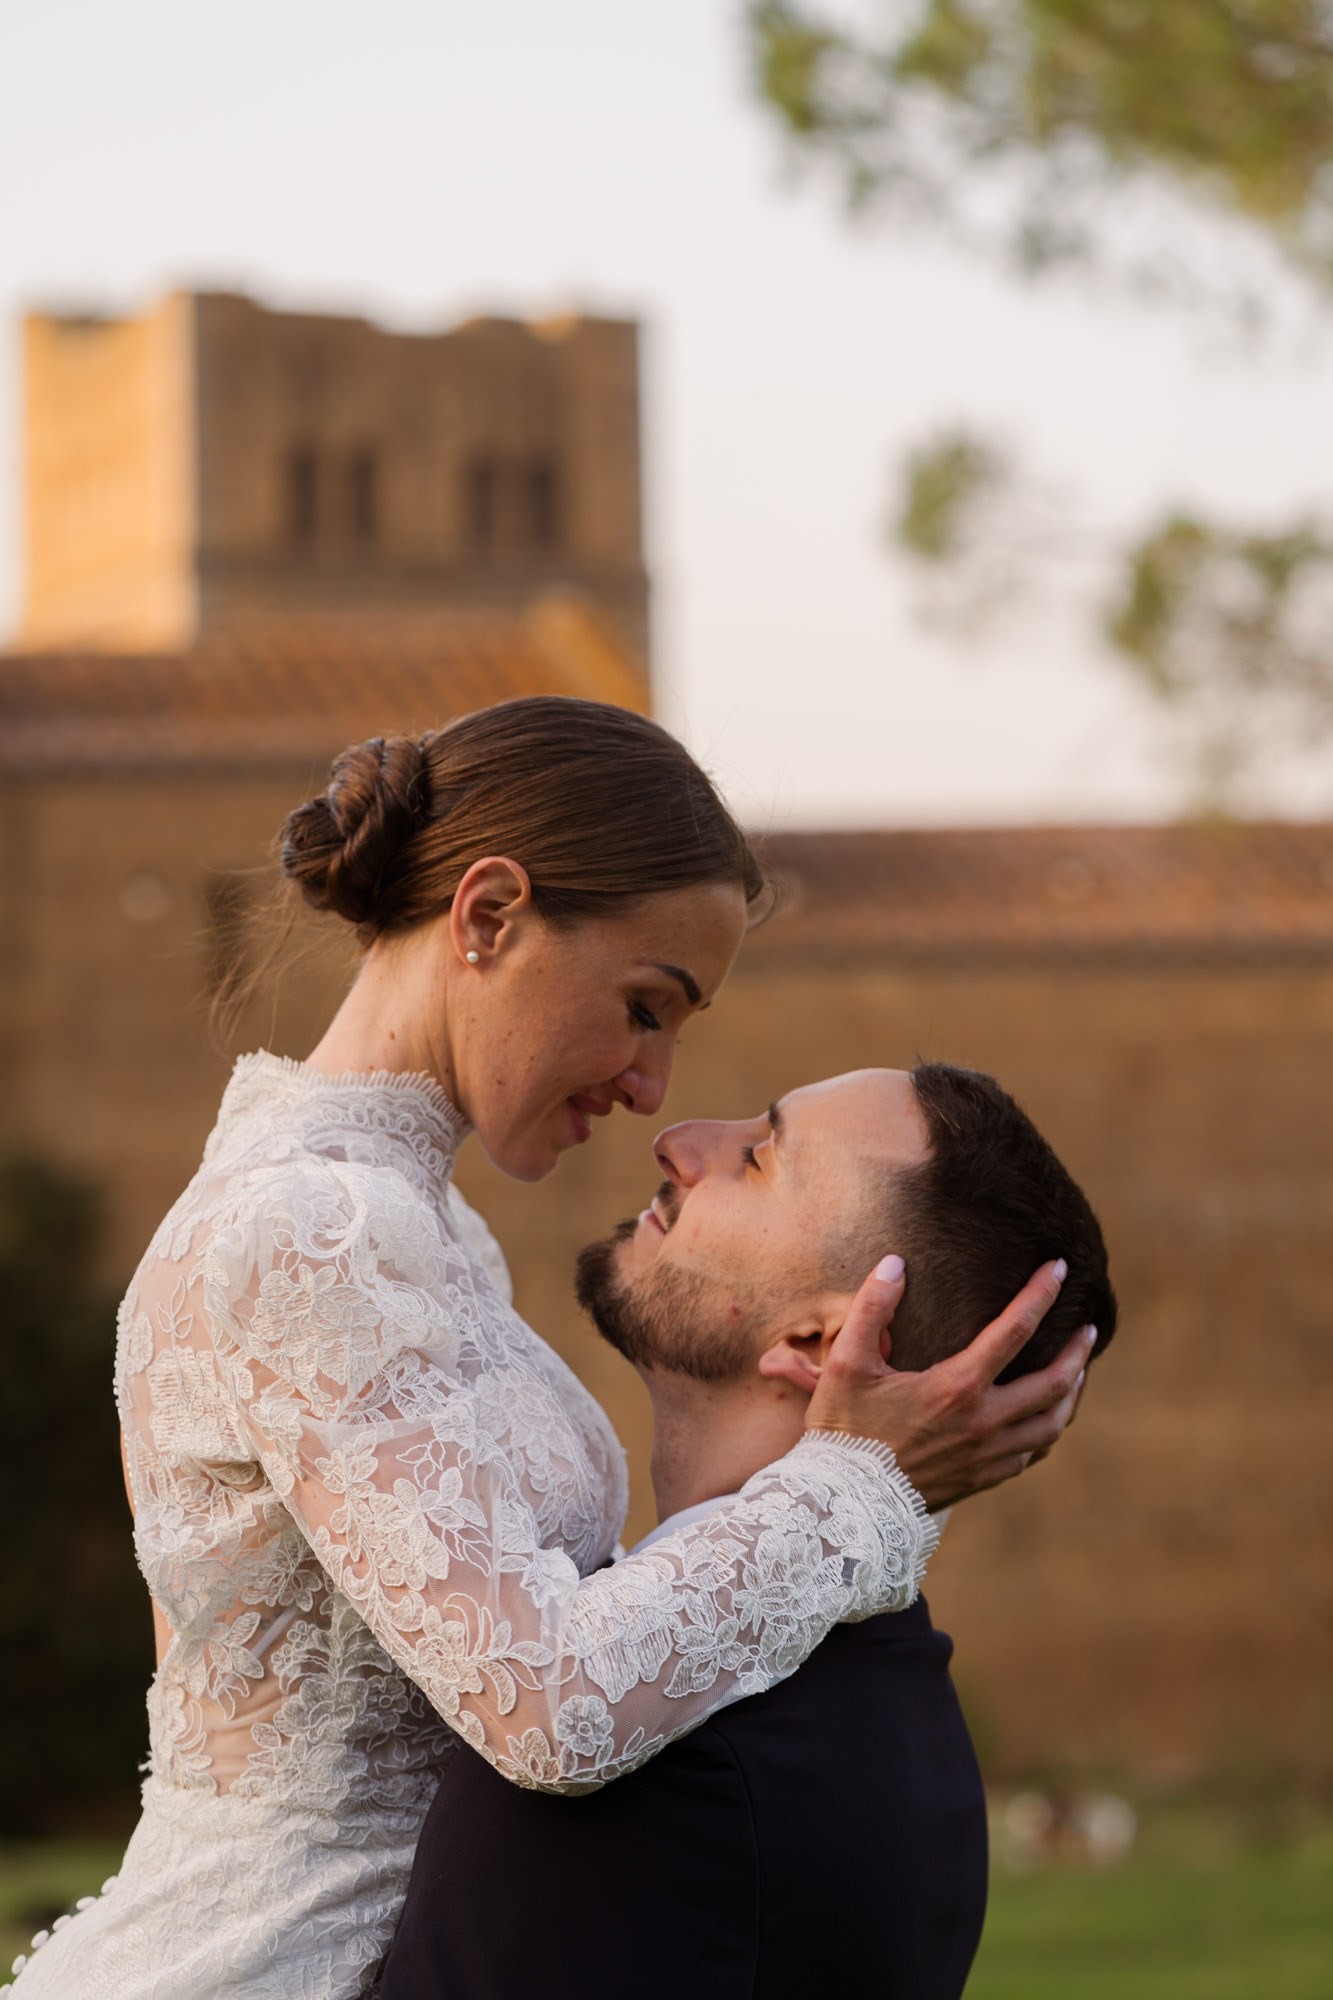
[952, 1431]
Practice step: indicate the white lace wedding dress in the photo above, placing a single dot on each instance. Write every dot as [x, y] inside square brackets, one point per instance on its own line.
[371, 1506]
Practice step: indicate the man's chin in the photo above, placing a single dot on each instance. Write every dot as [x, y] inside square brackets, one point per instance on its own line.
[640, 1246]
[601, 1279]
[633, 1247]
[662, 1323]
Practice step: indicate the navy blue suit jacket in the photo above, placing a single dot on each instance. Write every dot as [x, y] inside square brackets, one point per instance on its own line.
[827, 1838]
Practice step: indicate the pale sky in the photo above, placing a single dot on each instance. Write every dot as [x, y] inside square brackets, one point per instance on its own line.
[420, 160]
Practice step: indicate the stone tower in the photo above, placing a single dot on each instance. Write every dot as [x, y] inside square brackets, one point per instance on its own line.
[214, 470]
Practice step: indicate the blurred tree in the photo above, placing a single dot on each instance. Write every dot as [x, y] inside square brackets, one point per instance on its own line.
[1236, 630]
[1043, 129]
[1050, 129]
[1016, 118]
[76, 1646]
[945, 483]
[967, 516]
[1232, 630]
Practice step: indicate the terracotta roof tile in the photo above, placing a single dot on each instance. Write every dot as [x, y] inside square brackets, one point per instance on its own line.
[1073, 894]
[1014, 895]
[272, 701]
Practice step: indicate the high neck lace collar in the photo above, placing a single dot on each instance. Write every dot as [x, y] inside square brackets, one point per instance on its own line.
[280, 1082]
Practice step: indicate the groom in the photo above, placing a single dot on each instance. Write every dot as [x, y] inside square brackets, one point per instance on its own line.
[827, 1836]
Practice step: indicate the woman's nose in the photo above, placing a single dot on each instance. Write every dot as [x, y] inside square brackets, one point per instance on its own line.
[643, 1086]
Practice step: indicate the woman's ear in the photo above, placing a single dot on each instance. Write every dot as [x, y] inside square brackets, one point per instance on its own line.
[493, 895]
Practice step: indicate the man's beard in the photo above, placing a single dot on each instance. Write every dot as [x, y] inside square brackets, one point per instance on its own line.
[662, 1319]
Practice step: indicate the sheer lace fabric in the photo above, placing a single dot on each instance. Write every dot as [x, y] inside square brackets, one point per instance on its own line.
[371, 1506]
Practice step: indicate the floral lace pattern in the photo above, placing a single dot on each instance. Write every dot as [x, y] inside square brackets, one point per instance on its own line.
[371, 1506]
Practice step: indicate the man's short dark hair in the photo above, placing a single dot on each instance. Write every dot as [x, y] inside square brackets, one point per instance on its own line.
[974, 1222]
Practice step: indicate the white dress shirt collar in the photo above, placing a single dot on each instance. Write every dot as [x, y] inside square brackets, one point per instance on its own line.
[681, 1519]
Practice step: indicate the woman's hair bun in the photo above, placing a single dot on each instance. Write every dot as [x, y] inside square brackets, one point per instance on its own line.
[341, 848]
[599, 806]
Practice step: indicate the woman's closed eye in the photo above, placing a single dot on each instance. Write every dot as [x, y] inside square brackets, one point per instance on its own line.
[747, 1154]
[643, 1017]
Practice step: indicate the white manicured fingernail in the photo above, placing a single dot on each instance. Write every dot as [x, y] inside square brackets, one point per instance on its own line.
[1061, 1270]
[890, 1269]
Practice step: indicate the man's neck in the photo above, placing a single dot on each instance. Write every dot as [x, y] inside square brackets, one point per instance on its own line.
[709, 1437]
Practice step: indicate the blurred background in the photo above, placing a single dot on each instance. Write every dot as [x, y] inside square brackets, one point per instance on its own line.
[924, 409]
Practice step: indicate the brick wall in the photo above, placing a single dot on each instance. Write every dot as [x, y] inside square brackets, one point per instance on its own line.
[1161, 1585]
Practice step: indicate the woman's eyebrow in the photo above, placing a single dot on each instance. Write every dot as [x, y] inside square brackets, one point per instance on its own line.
[687, 980]
[775, 1125]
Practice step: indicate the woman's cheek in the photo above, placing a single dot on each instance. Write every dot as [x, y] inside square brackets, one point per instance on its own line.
[602, 1061]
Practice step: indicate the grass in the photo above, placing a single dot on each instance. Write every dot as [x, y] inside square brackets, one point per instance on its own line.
[41, 1878]
[1196, 1915]
[1238, 1923]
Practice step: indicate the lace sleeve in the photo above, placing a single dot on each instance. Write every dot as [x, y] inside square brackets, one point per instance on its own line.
[378, 1389]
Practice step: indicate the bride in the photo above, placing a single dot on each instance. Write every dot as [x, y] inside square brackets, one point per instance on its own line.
[371, 1505]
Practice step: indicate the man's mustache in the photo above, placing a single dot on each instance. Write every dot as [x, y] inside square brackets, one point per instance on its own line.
[667, 1203]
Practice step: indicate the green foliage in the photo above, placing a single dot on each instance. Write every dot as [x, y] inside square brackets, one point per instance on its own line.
[1238, 92]
[1229, 628]
[790, 57]
[1190, 585]
[75, 1625]
[1228, 102]
[948, 48]
[1236, 628]
[1026, 122]
[942, 484]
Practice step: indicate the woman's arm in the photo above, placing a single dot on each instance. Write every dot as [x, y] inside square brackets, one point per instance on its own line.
[373, 1382]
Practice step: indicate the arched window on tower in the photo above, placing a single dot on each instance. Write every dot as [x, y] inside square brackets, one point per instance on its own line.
[302, 496]
[363, 474]
[543, 505]
[480, 499]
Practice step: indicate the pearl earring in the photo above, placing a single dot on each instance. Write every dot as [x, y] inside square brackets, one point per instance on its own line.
[473, 957]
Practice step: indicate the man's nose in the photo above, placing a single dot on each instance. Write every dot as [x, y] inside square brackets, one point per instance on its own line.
[688, 1152]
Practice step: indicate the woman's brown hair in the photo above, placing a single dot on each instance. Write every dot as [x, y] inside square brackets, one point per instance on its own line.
[601, 807]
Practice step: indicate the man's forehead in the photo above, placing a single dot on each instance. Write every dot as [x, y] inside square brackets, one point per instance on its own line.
[866, 1110]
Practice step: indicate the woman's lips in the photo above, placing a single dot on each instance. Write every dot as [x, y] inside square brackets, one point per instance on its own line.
[583, 1108]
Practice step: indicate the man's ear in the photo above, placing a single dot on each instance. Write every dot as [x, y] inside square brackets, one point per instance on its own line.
[799, 1356]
